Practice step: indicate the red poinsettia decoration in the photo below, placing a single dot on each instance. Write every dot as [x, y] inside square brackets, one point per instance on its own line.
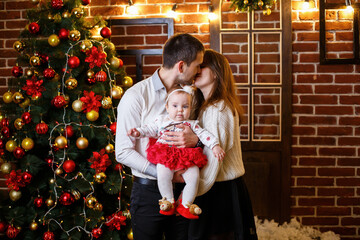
[91, 101]
[33, 87]
[95, 57]
[115, 221]
[100, 161]
[14, 180]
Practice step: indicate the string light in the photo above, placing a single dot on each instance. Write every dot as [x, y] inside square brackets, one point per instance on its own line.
[306, 5]
[132, 9]
[349, 8]
[172, 13]
[211, 15]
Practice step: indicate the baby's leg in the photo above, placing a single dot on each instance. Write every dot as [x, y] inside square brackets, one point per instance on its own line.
[164, 178]
[191, 177]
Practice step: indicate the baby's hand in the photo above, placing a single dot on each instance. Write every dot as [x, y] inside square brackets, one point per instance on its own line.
[219, 153]
[133, 132]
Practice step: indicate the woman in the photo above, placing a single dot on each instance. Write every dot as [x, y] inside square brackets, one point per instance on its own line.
[223, 196]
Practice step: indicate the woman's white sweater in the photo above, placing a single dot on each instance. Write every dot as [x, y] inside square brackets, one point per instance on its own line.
[219, 120]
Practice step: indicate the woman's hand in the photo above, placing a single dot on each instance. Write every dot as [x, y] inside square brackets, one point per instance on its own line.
[185, 138]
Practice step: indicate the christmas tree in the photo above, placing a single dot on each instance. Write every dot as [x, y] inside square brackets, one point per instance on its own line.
[58, 121]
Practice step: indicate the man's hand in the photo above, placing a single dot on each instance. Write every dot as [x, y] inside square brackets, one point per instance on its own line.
[177, 178]
[185, 138]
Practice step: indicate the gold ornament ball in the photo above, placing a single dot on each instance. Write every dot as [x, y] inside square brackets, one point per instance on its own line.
[90, 73]
[66, 14]
[111, 46]
[35, 2]
[78, 12]
[98, 207]
[50, 17]
[90, 202]
[25, 103]
[82, 143]
[106, 102]
[74, 35]
[33, 226]
[268, 11]
[29, 72]
[35, 61]
[6, 168]
[14, 195]
[77, 105]
[57, 18]
[246, 2]
[260, 3]
[92, 115]
[18, 123]
[7, 97]
[18, 46]
[130, 234]
[18, 97]
[54, 40]
[127, 81]
[27, 144]
[100, 177]
[76, 194]
[117, 92]
[1, 116]
[71, 83]
[10, 145]
[60, 142]
[85, 45]
[109, 148]
[58, 171]
[49, 202]
[114, 62]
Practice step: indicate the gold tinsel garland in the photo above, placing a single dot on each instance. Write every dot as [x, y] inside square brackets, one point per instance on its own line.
[250, 5]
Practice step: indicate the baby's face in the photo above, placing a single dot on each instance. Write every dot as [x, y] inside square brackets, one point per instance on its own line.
[179, 106]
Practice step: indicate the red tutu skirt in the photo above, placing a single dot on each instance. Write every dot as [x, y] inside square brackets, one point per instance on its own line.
[175, 158]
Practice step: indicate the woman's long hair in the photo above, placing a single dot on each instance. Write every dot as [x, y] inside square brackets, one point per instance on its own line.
[224, 84]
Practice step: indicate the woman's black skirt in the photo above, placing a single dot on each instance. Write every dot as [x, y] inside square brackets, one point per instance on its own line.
[226, 213]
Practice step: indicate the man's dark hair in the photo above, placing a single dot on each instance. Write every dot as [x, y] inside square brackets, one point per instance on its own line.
[181, 47]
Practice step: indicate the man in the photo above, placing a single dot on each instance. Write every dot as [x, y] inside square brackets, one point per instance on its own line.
[141, 104]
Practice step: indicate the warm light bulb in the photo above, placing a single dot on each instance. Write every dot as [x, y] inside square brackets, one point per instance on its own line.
[306, 5]
[132, 10]
[172, 14]
[211, 15]
[349, 9]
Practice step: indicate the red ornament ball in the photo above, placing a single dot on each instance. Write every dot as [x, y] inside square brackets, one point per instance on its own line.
[69, 131]
[100, 76]
[113, 128]
[118, 167]
[34, 27]
[38, 202]
[73, 62]
[19, 152]
[41, 128]
[4, 122]
[17, 71]
[58, 101]
[12, 232]
[63, 33]
[105, 32]
[86, 2]
[2, 144]
[57, 4]
[26, 117]
[5, 132]
[26, 177]
[96, 232]
[49, 73]
[48, 235]
[66, 199]
[69, 166]
[121, 63]
[3, 226]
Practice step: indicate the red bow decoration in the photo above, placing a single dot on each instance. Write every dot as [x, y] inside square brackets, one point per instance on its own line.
[96, 57]
[33, 87]
[100, 161]
[14, 180]
[115, 221]
[91, 101]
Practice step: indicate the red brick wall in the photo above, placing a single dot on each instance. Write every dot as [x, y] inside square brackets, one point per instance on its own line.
[326, 132]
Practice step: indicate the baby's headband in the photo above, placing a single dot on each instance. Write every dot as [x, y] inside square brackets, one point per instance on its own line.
[186, 88]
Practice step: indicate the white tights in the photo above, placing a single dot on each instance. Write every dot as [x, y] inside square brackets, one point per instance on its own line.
[191, 178]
